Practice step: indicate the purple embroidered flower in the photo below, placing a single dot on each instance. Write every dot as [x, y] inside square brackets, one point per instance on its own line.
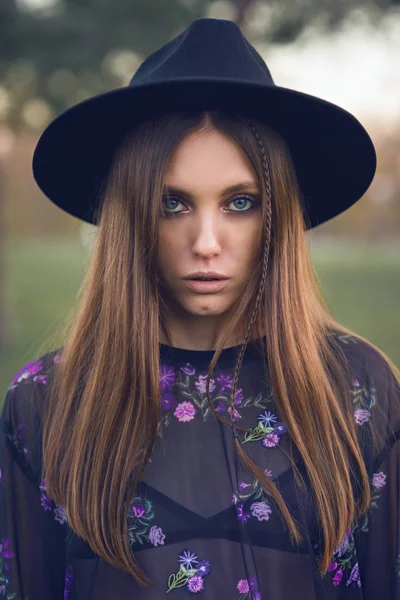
[280, 428]
[243, 586]
[256, 596]
[266, 418]
[243, 485]
[379, 480]
[261, 510]
[4, 549]
[185, 411]
[195, 584]
[167, 377]
[28, 370]
[241, 514]
[332, 566]
[342, 548]
[46, 502]
[203, 568]
[187, 558]
[168, 401]
[253, 583]
[236, 413]
[40, 378]
[361, 415]
[270, 440]
[201, 384]
[188, 369]
[338, 577]
[356, 383]
[137, 510]
[220, 406]
[238, 396]
[226, 381]
[156, 536]
[20, 435]
[354, 578]
[57, 358]
[68, 581]
[268, 472]
[60, 514]
[234, 499]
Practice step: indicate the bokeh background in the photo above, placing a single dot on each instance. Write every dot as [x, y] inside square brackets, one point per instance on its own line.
[55, 53]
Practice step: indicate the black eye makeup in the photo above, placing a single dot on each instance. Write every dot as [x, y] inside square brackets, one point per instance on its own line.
[251, 202]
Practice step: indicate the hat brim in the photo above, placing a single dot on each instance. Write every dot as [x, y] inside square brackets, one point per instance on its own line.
[333, 154]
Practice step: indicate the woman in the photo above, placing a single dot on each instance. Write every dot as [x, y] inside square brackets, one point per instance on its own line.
[228, 439]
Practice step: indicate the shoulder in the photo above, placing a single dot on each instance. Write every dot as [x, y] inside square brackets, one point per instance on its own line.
[22, 405]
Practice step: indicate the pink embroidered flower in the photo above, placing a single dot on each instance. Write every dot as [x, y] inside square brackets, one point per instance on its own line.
[361, 415]
[57, 358]
[243, 586]
[261, 510]
[338, 577]
[379, 480]
[201, 384]
[156, 536]
[40, 378]
[356, 383]
[185, 411]
[270, 440]
[195, 584]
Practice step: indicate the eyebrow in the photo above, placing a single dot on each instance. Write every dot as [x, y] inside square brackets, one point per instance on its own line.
[237, 187]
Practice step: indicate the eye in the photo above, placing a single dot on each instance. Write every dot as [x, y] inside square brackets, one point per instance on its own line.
[253, 204]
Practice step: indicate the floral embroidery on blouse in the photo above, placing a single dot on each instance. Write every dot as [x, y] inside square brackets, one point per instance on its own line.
[140, 529]
[4, 568]
[261, 509]
[48, 504]
[30, 372]
[364, 399]
[269, 430]
[193, 386]
[188, 574]
[344, 564]
[69, 577]
[248, 589]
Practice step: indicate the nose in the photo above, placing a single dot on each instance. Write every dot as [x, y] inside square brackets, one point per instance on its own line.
[206, 237]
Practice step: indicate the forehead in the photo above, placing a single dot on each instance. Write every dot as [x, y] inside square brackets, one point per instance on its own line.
[208, 158]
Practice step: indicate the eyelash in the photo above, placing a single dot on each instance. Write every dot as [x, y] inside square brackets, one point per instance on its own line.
[254, 206]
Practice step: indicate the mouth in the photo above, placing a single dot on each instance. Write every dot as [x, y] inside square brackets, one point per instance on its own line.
[202, 286]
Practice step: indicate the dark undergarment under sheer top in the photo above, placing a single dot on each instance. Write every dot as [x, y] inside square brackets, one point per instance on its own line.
[199, 523]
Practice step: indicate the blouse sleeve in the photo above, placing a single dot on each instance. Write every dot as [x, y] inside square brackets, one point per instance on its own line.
[377, 537]
[32, 527]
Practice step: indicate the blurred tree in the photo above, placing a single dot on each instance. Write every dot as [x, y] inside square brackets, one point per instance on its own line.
[57, 52]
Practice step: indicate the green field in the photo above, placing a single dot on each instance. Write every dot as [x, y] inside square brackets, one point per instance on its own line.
[360, 283]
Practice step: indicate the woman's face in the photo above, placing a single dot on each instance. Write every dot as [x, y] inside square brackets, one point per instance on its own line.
[215, 230]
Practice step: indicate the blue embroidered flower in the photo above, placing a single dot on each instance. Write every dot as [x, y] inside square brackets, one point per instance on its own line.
[187, 558]
[267, 418]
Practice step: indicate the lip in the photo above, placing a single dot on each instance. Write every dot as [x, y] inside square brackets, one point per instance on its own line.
[206, 287]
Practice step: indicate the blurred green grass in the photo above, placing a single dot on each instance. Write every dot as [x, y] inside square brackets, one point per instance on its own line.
[360, 283]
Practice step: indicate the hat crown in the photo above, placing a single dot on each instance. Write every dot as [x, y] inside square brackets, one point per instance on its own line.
[207, 48]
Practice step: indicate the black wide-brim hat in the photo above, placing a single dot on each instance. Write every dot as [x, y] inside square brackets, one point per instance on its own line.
[211, 65]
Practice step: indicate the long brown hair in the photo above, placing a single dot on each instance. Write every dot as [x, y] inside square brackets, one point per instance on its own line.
[101, 420]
